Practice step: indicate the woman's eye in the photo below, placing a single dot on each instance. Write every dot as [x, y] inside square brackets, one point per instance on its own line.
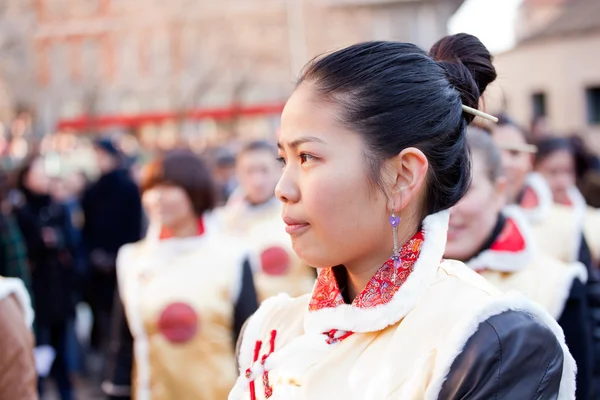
[306, 157]
[281, 161]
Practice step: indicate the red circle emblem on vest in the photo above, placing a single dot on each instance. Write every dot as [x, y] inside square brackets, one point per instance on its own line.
[178, 323]
[275, 260]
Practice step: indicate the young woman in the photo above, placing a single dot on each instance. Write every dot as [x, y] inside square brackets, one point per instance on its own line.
[374, 151]
[555, 161]
[256, 219]
[497, 243]
[186, 290]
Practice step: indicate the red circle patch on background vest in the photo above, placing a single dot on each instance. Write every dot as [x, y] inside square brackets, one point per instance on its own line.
[275, 260]
[178, 323]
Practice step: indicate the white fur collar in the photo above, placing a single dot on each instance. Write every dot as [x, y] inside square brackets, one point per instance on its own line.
[347, 317]
[538, 184]
[14, 286]
[508, 261]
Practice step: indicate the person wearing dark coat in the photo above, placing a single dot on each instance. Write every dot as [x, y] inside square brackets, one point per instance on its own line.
[45, 228]
[113, 217]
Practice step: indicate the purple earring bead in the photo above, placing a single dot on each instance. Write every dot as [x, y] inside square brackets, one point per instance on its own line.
[394, 220]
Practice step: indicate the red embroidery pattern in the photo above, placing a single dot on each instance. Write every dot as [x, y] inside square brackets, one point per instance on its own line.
[510, 239]
[381, 288]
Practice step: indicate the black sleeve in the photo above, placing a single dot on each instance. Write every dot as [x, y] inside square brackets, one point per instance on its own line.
[117, 382]
[247, 301]
[585, 255]
[511, 356]
[575, 323]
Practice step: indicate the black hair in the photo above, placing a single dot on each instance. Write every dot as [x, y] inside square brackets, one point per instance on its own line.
[547, 146]
[259, 145]
[397, 96]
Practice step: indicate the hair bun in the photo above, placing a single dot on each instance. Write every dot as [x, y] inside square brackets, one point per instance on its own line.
[468, 65]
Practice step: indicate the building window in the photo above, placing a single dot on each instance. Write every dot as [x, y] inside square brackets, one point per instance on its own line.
[539, 104]
[593, 105]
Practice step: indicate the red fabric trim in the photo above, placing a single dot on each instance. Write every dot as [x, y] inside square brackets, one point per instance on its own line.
[510, 239]
[165, 233]
[381, 288]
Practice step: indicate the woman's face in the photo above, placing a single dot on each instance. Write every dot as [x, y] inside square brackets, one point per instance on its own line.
[517, 164]
[473, 219]
[37, 179]
[168, 206]
[333, 213]
[558, 169]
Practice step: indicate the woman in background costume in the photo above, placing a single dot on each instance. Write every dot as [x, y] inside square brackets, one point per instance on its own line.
[555, 161]
[557, 228]
[497, 243]
[253, 214]
[374, 152]
[186, 290]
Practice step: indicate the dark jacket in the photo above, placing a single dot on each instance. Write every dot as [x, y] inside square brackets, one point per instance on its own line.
[45, 228]
[113, 217]
[511, 356]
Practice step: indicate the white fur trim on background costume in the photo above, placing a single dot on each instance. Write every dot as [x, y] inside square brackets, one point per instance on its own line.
[15, 286]
[350, 318]
[538, 184]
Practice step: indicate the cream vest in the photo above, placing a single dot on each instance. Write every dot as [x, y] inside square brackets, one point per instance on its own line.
[401, 347]
[591, 222]
[262, 228]
[179, 297]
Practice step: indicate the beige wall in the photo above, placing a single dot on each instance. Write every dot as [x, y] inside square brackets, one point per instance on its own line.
[561, 68]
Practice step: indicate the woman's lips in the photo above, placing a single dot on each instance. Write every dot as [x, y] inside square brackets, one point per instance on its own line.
[293, 226]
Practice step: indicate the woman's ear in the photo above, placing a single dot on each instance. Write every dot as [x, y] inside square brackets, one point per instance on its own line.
[407, 171]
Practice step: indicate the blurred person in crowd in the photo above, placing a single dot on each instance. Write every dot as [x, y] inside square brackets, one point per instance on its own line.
[557, 229]
[45, 227]
[67, 191]
[18, 376]
[587, 171]
[540, 128]
[224, 174]
[186, 291]
[13, 251]
[112, 218]
[556, 160]
[496, 242]
[517, 155]
[253, 214]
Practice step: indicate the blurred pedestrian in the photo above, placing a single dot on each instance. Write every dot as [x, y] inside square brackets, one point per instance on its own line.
[112, 214]
[45, 227]
[253, 214]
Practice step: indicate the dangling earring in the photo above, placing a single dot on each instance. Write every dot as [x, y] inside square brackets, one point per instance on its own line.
[394, 222]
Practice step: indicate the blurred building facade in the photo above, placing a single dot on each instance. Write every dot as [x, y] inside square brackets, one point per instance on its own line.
[554, 71]
[155, 65]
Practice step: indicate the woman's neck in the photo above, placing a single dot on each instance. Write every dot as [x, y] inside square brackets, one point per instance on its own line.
[187, 228]
[360, 272]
